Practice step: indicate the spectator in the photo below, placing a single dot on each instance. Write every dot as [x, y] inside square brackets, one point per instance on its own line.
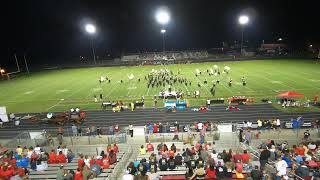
[74, 130]
[105, 162]
[150, 147]
[78, 175]
[143, 150]
[264, 156]
[176, 134]
[171, 163]
[245, 157]
[81, 162]
[302, 170]
[61, 158]
[52, 157]
[132, 170]
[131, 130]
[85, 173]
[178, 159]
[211, 172]
[256, 173]
[60, 173]
[112, 157]
[199, 173]
[79, 131]
[115, 148]
[127, 176]
[95, 169]
[281, 167]
[86, 160]
[163, 164]
[237, 157]
[173, 148]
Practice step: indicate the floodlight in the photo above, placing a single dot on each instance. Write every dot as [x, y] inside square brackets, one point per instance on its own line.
[243, 20]
[280, 39]
[163, 31]
[90, 28]
[2, 71]
[162, 17]
[310, 45]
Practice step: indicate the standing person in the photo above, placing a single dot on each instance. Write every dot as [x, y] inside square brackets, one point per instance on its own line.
[240, 135]
[131, 130]
[176, 134]
[281, 167]
[79, 131]
[306, 135]
[1, 123]
[247, 136]
[74, 130]
[93, 131]
[264, 156]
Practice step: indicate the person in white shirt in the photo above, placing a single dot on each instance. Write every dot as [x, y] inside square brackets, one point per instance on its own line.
[278, 123]
[281, 167]
[200, 125]
[249, 124]
[127, 176]
[87, 160]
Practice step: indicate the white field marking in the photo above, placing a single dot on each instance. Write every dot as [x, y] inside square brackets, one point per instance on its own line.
[55, 104]
[133, 87]
[238, 83]
[29, 92]
[62, 91]
[314, 80]
[96, 89]
[276, 82]
[76, 91]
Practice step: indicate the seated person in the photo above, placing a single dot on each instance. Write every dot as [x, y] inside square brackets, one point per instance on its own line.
[115, 148]
[143, 150]
[105, 162]
[171, 163]
[211, 172]
[199, 173]
[245, 157]
[163, 164]
[61, 158]
[150, 147]
[112, 157]
[178, 159]
[52, 157]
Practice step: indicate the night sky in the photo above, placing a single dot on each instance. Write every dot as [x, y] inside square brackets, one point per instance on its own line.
[46, 29]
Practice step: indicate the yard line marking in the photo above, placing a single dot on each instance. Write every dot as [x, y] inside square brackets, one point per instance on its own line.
[55, 104]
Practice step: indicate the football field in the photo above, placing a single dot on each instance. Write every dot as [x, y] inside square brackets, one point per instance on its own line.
[59, 90]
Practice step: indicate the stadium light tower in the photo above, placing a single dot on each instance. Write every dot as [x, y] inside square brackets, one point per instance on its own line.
[243, 20]
[91, 30]
[2, 71]
[163, 18]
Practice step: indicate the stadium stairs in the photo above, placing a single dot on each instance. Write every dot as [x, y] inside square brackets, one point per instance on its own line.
[106, 118]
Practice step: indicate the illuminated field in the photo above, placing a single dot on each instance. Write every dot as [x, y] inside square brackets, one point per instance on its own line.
[61, 89]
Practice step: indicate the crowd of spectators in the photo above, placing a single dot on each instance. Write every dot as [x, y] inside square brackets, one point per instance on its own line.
[200, 161]
[302, 159]
[16, 165]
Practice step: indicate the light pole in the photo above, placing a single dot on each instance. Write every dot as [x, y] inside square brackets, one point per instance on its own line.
[91, 29]
[243, 20]
[163, 31]
[163, 18]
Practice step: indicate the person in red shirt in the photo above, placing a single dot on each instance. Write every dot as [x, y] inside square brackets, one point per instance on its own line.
[171, 153]
[78, 175]
[105, 162]
[61, 158]
[245, 157]
[52, 157]
[5, 173]
[155, 128]
[150, 147]
[237, 157]
[92, 160]
[299, 150]
[115, 148]
[197, 147]
[211, 172]
[99, 161]
[81, 162]
[112, 157]
[239, 166]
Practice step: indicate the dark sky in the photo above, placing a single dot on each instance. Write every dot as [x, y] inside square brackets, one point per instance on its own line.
[53, 29]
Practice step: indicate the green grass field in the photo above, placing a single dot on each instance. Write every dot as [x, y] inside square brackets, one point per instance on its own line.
[45, 90]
